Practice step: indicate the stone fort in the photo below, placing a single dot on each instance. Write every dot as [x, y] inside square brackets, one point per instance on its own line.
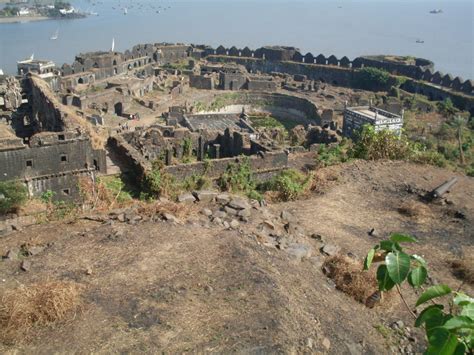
[59, 124]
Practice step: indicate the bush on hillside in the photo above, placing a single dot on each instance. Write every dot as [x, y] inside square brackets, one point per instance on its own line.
[12, 195]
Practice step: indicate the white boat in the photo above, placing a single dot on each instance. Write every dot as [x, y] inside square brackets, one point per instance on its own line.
[55, 35]
[113, 45]
[125, 11]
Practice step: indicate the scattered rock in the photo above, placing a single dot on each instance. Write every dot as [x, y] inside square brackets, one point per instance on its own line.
[287, 216]
[34, 249]
[226, 224]
[299, 251]
[330, 249]
[234, 224]
[326, 343]
[186, 198]
[372, 233]
[12, 254]
[310, 343]
[317, 237]
[269, 224]
[170, 218]
[239, 203]
[206, 212]
[244, 213]
[89, 271]
[219, 214]
[121, 217]
[223, 199]
[25, 265]
[231, 211]
[217, 220]
[205, 196]
[354, 349]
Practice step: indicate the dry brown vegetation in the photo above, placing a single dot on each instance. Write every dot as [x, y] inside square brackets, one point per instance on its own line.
[350, 278]
[41, 304]
[415, 209]
[463, 269]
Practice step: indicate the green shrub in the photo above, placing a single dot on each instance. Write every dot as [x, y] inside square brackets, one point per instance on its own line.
[372, 79]
[430, 157]
[196, 182]
[289, 184]
[328, 156]
[13, 194]
[383, 144]
[238, 177]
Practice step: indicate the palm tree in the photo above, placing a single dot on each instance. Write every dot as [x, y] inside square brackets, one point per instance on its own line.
[459, 123]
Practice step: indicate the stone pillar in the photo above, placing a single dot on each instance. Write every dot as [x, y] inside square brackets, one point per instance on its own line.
[168, 156]
[200, 151]
[238, 143]
[216, 151]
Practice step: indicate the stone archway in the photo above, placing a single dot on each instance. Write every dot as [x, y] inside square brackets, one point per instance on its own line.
[118, 109]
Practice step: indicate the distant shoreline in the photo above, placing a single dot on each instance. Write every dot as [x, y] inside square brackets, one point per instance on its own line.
[17, 19]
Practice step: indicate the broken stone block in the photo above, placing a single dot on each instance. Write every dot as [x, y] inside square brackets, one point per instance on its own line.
[220, 214]
[121, 217]
[25, 265]
[206, 212]
[286, 216]
[244, 213]
[330, 249]
[205, 196]
[239, 203]
[234, 224]
[186, 198]
[12, 254]
[170, 218]
[223, 199]
[231, 211]
[299, 251]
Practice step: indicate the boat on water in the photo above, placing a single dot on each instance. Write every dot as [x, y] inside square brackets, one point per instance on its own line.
[55, 35]
[420, 41]
[125, 11]
[436, 11]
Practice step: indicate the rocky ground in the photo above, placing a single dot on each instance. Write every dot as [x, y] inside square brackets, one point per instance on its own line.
[219, 273]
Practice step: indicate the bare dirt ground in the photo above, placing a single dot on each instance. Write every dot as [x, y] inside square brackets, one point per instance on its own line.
[157, 286]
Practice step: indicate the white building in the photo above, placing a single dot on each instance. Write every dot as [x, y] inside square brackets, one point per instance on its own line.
[356, 117]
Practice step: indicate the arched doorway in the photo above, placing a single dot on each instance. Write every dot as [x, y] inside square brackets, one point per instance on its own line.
[118, 108]
[80, 81]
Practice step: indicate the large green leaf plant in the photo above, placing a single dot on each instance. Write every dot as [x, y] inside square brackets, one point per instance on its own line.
[449, 330]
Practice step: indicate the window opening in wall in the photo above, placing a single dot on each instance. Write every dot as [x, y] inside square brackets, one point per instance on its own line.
[63, 157]
[66, 191]
[61, 137]
[29, 163]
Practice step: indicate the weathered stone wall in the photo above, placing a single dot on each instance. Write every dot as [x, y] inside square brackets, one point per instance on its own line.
[48, 156]
[201, 82]
[270, 161]
[280, 105]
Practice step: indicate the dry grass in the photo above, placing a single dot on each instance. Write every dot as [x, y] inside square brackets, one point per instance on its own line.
[323, 179]
[179, 210]
[463, 269]
[27, 307]
[415, 209]
[350, 278]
